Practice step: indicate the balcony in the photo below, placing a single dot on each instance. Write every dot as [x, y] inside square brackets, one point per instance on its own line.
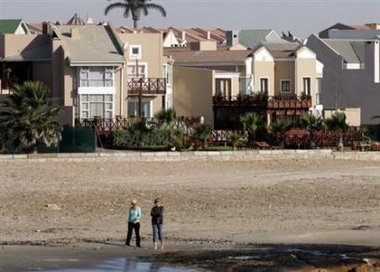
[289, 102]
[150, 86]
[258, 99]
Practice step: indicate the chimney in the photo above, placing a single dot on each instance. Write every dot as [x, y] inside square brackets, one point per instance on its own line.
[208, 35]
[183, 35]
[74, 31]
[47, 29]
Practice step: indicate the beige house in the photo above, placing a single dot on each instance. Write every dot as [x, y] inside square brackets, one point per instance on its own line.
[92, 70]
[223, 84]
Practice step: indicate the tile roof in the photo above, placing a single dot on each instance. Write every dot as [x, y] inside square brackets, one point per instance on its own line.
[191, 34]
[9, 26]
[95, 44]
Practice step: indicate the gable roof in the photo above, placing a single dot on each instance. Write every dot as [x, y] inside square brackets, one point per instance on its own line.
[352, 51]
[281, 50]
[76, 20]
[9, 26]
[94, 45]
[250, 38]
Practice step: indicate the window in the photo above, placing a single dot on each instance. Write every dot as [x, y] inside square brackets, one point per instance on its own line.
[133, 107]
[92, 105]
[168, 74]
[319, 90]
[263, 84]
[245, 85]
[132, 72]
[223, 87]
[285, 86]
[95, 77]
[135, 52]
[306, 85]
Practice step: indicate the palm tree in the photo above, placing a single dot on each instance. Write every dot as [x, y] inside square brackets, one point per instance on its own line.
[279, 128]
[202, 132]
[252, 122]
[135, 7]
[337, 122]
[27, 118]
[165, 118]
[312, 123]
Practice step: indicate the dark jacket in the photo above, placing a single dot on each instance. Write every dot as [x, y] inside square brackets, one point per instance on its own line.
[157, 214]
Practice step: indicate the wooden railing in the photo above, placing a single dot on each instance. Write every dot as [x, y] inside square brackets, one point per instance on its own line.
[271, 102]
[240, 100]
[289, 102]
[103, 125]
[138, 86]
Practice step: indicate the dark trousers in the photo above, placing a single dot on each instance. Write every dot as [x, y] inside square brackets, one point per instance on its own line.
[131, 227]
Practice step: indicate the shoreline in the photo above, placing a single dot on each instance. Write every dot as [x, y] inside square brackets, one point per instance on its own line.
[210, 203]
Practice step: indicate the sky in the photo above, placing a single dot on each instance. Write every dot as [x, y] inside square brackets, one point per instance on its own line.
[300, 17]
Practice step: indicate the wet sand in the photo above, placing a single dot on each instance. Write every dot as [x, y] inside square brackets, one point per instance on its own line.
[207, 203]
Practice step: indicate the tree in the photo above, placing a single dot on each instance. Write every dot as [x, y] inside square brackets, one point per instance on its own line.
[312, 123]
[337, 122]
[27, 118]
[135, 7]
[279, 128]
[201, 132]
[165, 118]
[252, 122]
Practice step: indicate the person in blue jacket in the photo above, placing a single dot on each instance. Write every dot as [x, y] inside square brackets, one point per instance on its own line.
[134, 217]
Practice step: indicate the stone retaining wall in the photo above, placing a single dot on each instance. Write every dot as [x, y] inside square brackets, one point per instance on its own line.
[197, 155]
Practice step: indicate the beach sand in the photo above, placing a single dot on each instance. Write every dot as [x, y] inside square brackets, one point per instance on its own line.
[207, 203]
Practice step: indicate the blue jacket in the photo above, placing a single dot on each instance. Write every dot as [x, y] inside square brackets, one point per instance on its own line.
[134, 215]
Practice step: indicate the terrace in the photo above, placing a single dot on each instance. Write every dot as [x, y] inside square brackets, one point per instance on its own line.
[149, 86]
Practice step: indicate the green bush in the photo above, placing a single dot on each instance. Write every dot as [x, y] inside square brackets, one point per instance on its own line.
[136, 138]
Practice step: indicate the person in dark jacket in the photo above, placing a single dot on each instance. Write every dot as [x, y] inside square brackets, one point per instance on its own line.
[157, 214]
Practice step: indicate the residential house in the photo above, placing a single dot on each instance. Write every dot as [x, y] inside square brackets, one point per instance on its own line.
[274, 79]
[175, 37]
[351, 72]
[337, 28]
[251, 38]
[92, 71]
[13, 26]
[23, 55]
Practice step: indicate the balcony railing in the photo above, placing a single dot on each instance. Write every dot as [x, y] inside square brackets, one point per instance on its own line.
[261, 99]
[289, 102]
[103, 125]
[138, 86]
